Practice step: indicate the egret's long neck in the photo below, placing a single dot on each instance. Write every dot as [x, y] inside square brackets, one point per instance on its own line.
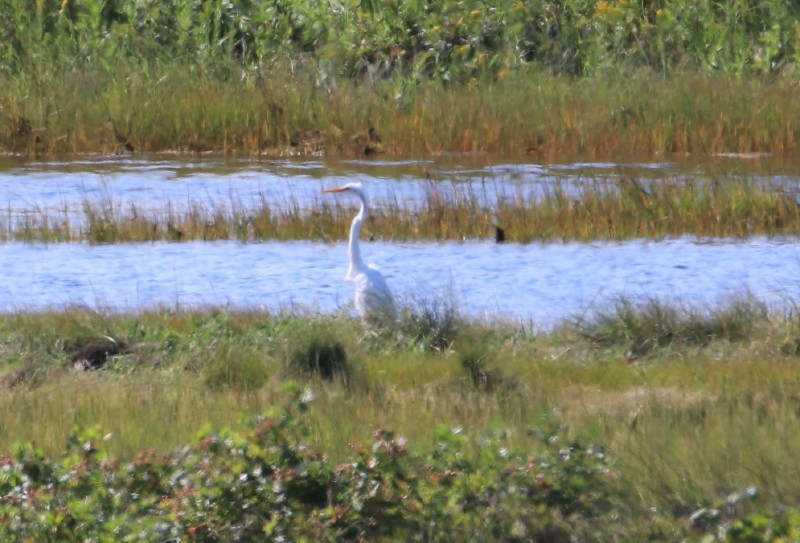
[356, 264]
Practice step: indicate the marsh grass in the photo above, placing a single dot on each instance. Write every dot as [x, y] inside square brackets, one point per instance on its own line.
[316, 353]
[645, 328]
[429, 321]
[437, 76]
[594, 209]
[236, 367]
[542, 117]
[711, 407]
[681, 427]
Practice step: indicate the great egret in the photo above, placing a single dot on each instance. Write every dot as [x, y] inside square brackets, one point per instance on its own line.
[373, 299]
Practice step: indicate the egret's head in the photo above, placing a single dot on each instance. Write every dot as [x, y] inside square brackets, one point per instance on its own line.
[351, 187]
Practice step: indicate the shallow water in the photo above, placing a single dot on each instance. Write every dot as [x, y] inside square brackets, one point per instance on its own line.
[61, 188]
[535, 283]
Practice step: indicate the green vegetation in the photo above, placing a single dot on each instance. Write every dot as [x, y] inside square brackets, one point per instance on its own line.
[552, 79]
[268, 484]
[611, 210]
[639, 422]
[650, 326]
[437, 39]
[491, 430]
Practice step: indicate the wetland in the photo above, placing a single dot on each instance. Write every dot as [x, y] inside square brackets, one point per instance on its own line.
[178, 358]
[202, 249]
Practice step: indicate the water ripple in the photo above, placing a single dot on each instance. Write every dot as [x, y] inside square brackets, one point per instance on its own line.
[538, 283]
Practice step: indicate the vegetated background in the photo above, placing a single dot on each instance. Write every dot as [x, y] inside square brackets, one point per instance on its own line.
[69, 66]
[440, 39]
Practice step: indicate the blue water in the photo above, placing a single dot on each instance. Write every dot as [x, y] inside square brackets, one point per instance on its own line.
[61, 189]
[534, 283]
[540, 284]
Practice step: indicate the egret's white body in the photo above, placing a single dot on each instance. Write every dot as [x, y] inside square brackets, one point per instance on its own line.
[373, 298]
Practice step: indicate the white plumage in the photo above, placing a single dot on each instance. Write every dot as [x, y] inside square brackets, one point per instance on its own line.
[373, 298]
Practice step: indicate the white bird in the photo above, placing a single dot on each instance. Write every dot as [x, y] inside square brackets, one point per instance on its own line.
[373, 299]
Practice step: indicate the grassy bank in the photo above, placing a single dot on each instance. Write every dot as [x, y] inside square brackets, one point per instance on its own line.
[539, 116]
[551, 79]
[690, 406]
[611, 210]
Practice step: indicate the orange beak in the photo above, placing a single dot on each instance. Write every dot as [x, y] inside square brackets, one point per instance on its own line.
[337, 189]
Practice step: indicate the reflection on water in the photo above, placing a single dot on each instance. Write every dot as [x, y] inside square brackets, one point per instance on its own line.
[539, 283]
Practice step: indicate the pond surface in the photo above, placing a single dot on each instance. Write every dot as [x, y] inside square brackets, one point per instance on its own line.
[535, 283]
[154, 183]
[540, 284]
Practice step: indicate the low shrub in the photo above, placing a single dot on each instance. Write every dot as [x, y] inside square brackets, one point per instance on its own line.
[268, 483]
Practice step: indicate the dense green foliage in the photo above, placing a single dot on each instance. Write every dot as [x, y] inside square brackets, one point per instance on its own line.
[425, 38]
[268, 483]
[551, 79]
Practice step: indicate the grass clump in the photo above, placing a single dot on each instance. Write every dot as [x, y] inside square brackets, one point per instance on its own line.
[314, 352]
[320, 358]
[430, 323]
[648, 327]
[483, 375]
[26, 373]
